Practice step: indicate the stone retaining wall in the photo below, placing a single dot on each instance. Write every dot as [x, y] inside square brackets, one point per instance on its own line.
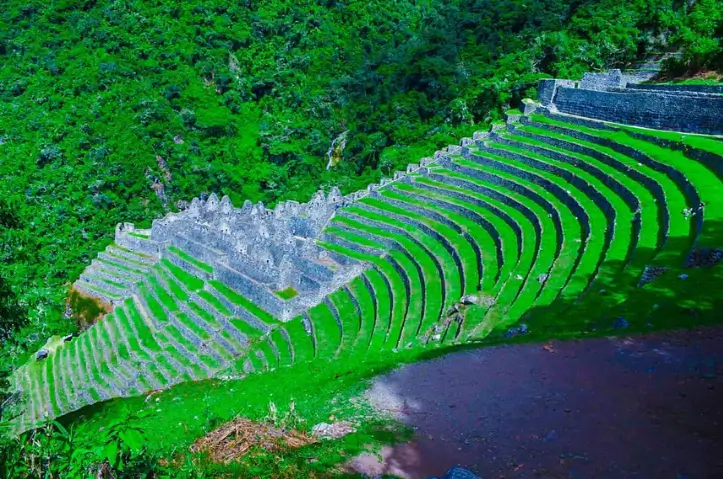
[709, 89]
[664, 112]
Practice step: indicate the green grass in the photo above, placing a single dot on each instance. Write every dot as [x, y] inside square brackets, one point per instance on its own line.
[325, 330]
[349, 317]
[694, 81]
[649, 209]
[410, 257]
[513, 261]
[187, 279]
[98, 289]
[451, 281]
[469, 279]
[359, 342]
[117, 264]
[649, 233]
[145, 335]
[518, 295]
[205, 315]
[215, 302]
[595, 247]
[110, 282]
[283, 347]
[178, 291]
[159, 289]
[192, 326]
[679, 232]
[704, 143]
[92, 366]
[128, 251]
[706, 182]
[304, 349]
[511, 289]
[190, 259]
[173, 332]
[490, 209]
[156, 310]
[287, 293]
[384, 311]
[620, 225]
[392, 301]
[239, 300]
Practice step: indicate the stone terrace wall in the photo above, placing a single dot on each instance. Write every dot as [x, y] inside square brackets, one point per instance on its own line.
[647, 109]
[709, 89]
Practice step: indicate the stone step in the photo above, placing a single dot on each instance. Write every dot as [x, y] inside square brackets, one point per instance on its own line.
[110, 277]
[475, 227]
[591, 208]
[131, 256]
[544, 192]
[93, 290]
[445, 231]
[407, 256]
[119, 264]
[672, 192]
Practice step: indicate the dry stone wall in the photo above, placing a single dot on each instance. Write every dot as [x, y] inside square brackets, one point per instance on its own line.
[651, 110]
[609, 97]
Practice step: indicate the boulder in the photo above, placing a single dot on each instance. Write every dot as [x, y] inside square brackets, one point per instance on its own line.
[42, 354]
[460, 473]
[516, 331]
[332, 431]
[469, 299]
[621, 323]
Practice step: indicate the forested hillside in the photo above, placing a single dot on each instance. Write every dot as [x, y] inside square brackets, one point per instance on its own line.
[121, 110]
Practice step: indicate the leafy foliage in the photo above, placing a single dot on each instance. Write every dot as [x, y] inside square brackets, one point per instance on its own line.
[117, 451]
[698, 31]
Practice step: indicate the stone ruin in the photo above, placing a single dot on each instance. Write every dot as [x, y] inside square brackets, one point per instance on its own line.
[254, 250]
[260, 252]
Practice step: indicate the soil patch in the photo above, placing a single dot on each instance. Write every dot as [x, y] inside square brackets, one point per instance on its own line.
[628, 407]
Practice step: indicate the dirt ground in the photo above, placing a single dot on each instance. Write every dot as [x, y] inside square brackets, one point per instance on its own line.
[638, 407]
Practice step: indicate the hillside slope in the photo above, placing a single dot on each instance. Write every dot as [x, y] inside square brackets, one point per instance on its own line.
[122, 110]
[562, 222]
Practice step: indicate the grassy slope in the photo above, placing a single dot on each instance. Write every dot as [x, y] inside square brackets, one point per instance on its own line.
[319, 389]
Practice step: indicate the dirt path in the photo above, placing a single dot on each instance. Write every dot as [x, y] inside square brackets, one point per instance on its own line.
[640, 407]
